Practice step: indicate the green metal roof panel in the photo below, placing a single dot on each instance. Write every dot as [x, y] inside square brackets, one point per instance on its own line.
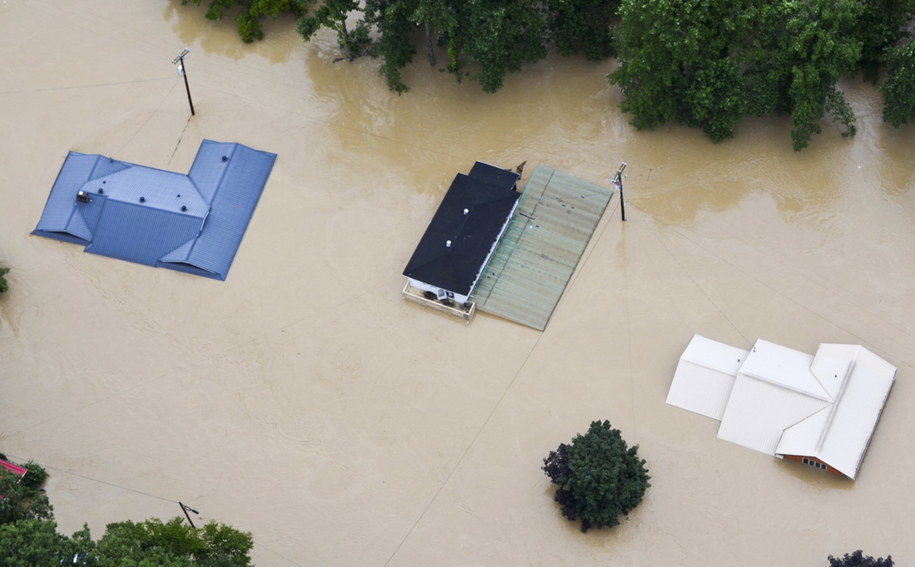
[541, 247]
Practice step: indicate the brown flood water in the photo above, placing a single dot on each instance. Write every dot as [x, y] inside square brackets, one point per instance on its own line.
[304, 401]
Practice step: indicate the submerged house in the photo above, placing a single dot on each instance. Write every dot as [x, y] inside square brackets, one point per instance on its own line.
[463, 233]
[820, 410]
[192, 223]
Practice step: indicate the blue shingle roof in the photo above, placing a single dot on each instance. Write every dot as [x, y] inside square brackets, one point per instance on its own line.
[192, 223]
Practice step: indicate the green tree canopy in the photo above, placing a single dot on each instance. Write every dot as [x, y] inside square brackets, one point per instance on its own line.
[23, 499]
[4, 286]
[33, 542]
[484, 39]
[702, 63]
[151, 543]
[28, 535]
[899, 88]
[172, 544]
[599, 477]
[858, 559]
[250, 13]
[708, 63]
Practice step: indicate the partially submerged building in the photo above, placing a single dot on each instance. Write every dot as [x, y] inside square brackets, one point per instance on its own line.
[191, 223]
[463, 232]
[820, 410]
[487, 248]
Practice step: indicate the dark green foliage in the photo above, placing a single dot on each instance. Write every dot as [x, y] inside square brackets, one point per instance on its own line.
[31, 543]
[4, 286]
[484, 39]
[676, 63]
[251, 12]
[22, 500]
[708, 63]
[152, 543]
[28, 535]
[173, 543]
[332, 14]
[702, 63]
[582, 26]
[881, 25]
[495, 37]
[36, 476]
[899, 88]
[858, 559]
[599, 477]
[820, 48]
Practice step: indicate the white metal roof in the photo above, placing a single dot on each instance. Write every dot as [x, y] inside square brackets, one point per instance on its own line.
[784, 402]
[704, 376]
[842, 438]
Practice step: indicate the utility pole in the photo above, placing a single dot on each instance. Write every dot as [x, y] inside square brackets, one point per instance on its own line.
[185, 508]
[183, 72]
[618, 182]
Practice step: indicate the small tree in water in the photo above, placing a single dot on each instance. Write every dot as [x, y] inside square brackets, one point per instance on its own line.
[858, 559]
[599, 477]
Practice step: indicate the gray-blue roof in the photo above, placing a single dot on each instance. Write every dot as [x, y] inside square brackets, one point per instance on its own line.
[192, 223]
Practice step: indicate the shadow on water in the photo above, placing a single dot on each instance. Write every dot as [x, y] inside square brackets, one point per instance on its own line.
[221, 37]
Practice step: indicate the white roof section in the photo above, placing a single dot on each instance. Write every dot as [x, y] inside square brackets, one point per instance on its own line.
[704, 376]
[784, 402]
[784, 368]
[842, 439]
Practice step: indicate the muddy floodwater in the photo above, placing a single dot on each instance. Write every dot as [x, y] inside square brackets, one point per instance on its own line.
[304, 401]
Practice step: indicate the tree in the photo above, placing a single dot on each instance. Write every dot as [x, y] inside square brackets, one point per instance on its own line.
[27, 543]
[678, 63]
[484, 39]
[899, 88]
[858, 559]
[172, 544]
[23, 499]
[707, 63]
[251, 12]
[881, 25]
[820, 48]
[28, 535]
[333, 14]
[599, 477]
[3, 285]
[582, 26]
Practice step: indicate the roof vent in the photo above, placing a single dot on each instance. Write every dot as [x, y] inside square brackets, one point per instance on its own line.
[100, 190]
[466, 211]
[142, 199]
[82, 196]
[448, 243]
[183, 208]
[225, 158]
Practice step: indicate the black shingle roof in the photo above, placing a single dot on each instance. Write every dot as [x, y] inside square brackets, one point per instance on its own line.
[464, 229]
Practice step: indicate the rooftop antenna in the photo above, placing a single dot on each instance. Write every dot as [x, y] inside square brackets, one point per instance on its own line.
[618, 183]
[179, 61]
